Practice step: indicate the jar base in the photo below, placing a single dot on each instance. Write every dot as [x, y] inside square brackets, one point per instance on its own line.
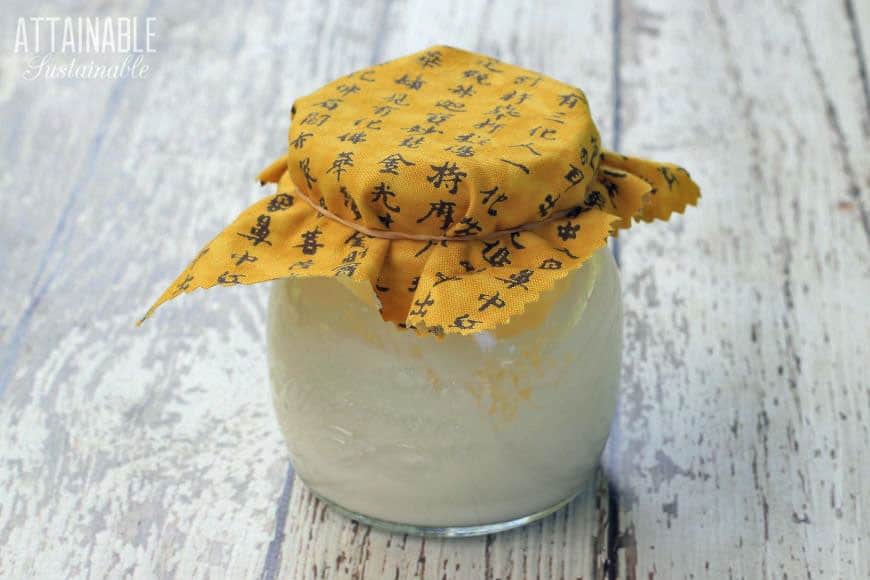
[447, 531]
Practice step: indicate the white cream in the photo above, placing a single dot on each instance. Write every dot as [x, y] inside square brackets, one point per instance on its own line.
[464, 431]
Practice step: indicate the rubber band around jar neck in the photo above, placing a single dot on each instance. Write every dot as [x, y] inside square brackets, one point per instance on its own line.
[389, 235]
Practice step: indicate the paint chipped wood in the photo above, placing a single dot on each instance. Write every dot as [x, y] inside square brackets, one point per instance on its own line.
[740, 446]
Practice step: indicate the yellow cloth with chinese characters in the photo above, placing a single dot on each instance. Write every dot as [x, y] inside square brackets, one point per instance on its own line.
[458, 186]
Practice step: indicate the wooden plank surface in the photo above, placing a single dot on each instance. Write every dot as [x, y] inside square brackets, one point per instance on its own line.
[740, 447]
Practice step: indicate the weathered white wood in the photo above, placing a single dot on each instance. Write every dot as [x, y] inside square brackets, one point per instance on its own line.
[321, 544]
[152, 451]
[741, 449]
[741, 445]
[142, 452]
[43, 123]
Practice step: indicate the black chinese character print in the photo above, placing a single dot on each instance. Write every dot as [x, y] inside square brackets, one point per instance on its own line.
[437, 118]
[350, 263]
[430, 59]
[571, 99]
[451, 106]
[550, 264]
[300, 139]
[305, 166]
[346, 269]
[414, 84]
[492, 197]
[226, 278]
[280, 202]
[390, 163]
[429, 245]
[556, 117]
[567, 231]
[463, 91]
[340, 164]
[398, 99]
[516, 95]
[468, 227]
[491, 126]
[411, 142]
[259, 232]
[374, 124]
[477, 76]
[350, 203]
[471, 138]
[594, 158]
[575, 211]
[330, 104]
[515, 236]
[465, 322]
[383, 110]
[528, 80]
[422, 306]
[346, 90]
[574, 176]
[495, 254]
[309, 244]
[357, 137]
[442, 277]
[544, 133]
[520, 279]
[356, 240]
[382, 193]
[421, 130]
[440, 209]
[242, 258]
[549, 203]
[530, 147]
[493, 300]
[386, 220]
[489, 64]
[612, 189]
[670, 178]
[568, 253]
[593, 199]
[315, 119]
[461, 150]
[185, 284]
[519, 166]
[502, 111]
[447, 174]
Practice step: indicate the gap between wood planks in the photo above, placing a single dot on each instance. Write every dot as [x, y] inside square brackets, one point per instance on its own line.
[612, 538]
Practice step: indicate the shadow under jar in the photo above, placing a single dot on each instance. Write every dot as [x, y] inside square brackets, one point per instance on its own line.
[452, 436]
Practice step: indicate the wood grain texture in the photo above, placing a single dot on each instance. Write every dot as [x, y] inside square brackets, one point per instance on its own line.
[741, 444]
[142, 452]
[740, 447]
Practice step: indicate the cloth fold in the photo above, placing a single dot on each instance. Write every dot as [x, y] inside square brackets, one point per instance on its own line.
[458, 187]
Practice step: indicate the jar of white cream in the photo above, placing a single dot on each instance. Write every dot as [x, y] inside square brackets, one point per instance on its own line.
[459, 435]
[444, 327]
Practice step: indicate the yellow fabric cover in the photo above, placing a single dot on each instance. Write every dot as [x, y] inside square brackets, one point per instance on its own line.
[439, 144]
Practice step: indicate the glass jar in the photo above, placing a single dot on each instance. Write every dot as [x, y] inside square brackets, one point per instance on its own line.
[452, 436]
